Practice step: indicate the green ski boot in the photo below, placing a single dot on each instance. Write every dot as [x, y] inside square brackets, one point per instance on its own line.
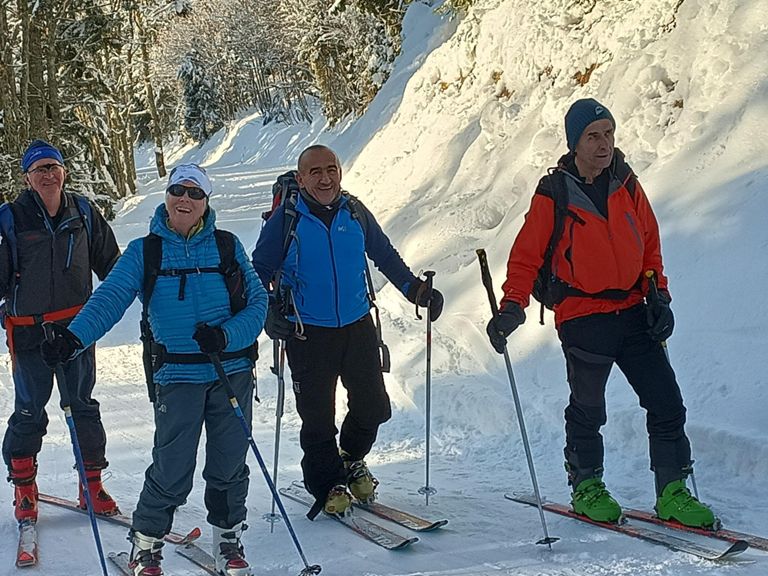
[677, 503]
[592, 499]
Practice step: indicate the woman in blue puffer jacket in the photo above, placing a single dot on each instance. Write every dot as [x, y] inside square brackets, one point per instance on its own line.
[191, 318]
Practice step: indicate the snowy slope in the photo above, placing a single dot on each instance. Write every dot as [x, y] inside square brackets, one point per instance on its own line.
[447, 157]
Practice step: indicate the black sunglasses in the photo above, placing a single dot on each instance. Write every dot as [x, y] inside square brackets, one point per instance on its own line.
[179, 190]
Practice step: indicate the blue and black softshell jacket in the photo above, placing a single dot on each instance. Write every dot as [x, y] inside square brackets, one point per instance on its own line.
[324, 267]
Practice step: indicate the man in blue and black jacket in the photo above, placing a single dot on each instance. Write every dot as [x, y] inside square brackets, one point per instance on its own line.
[53, 241]
[320, 306]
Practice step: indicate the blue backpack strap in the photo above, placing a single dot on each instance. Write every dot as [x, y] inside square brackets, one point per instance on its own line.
[8, 230]
[86, 213]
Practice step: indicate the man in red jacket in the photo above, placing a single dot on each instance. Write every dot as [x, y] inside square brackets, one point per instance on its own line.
[609, 312]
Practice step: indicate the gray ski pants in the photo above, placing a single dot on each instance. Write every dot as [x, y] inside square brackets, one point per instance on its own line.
[181, 410]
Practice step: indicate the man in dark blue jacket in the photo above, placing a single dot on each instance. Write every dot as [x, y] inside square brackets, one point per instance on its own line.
[320, 306]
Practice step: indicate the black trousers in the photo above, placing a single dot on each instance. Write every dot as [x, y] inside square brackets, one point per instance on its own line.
[592, 344]
[350, 353]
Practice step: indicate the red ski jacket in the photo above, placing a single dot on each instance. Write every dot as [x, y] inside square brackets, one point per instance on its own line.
[594, 253]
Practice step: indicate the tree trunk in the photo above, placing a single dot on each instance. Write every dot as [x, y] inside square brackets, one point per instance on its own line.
[36, 96]
[54, 106]
[150, 93]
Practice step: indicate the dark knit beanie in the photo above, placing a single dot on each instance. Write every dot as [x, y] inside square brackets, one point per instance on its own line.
[38, 150]
[580, 115]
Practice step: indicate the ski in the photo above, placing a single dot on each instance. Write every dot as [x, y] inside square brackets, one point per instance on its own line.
[676, 543]
[120, 560]
[26, 554]
[754, 541]
[401, 517]
[365, 528]
[404, 519]
[198, 556]
[119, 519]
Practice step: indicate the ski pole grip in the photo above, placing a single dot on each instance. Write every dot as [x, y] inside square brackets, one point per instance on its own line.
[426, 286]
[653, 290]
[430, 276]
[485, 274]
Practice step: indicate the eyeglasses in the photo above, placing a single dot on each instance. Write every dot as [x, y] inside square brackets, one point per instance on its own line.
[179, 190]
[45, 169]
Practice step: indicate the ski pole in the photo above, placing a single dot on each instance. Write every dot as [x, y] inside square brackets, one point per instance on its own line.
[488, 283]
[653, 300]
[428, 490]
[65, 405]
[278, 348]
[224, 379]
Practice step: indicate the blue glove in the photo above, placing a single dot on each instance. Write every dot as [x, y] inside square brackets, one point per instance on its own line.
[210, 339]
[503, 324]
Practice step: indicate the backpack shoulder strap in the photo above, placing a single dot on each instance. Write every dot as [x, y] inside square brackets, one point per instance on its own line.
[230, 270]
[86, 212]
[225, 242]
[290, 218]
[152, 246]
[357, 213]
[560, 206]
[8, 230]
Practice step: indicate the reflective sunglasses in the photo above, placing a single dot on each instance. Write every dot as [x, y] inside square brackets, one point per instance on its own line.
[45, 169]
[179, 190]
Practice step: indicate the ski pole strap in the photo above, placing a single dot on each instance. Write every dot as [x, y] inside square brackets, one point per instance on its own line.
[383, 348]
[57, 315]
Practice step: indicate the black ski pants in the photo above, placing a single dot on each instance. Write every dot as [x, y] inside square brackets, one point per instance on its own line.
[33, 386]
[181, 411]
[592, 344]
[352, 354]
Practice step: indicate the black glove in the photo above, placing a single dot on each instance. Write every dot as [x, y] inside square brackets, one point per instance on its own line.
[418, 291]
[661, 321]
[503, 324]
[210, 339]
[277, 326]
[62, 348]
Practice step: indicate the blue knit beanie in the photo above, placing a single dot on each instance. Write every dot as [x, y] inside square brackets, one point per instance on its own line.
[580, 115]
[37, 150]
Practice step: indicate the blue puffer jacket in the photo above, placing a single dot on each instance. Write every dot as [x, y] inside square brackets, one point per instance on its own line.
[173, 321]
[325, 268]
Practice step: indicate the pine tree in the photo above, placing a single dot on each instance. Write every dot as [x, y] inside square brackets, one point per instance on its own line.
[201, 115]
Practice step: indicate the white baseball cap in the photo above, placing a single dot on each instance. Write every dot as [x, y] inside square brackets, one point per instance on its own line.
[191, 173]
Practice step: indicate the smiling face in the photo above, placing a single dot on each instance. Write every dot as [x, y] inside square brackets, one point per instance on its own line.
[184, 212]
[46, 177]
[594, 152]
[320, 174]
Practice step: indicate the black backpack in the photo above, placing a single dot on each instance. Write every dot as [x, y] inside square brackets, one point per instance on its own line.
[548, 289]
[154, 354]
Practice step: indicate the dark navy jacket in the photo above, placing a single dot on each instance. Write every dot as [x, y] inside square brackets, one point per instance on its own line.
[325, 267]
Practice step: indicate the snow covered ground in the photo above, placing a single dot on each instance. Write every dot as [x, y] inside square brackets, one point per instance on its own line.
[447, 157]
